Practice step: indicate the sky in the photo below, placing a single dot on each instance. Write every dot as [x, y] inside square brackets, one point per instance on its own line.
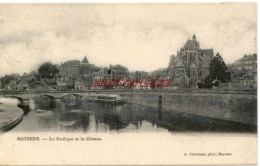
[138, 36]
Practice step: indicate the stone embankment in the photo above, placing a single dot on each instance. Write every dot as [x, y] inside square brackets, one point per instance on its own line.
[234, 106]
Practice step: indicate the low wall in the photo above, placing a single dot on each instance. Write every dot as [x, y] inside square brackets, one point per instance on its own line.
[241, 107]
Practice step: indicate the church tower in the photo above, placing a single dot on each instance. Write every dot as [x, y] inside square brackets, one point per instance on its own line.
[194, 37]
[84, 67]
[84, 60]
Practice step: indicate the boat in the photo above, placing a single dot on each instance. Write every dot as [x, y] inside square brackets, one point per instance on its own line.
[40, 111]
[106, 98]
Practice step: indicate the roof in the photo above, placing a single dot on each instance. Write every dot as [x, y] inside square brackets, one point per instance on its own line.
[180, 64]
[72, 62]
[205, 65]
[249, 57]
[208, 52]
[193, 65]
[85, 60]
[190, 44]
[41, 83]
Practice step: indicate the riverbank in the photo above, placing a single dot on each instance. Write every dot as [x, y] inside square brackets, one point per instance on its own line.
[10, 116]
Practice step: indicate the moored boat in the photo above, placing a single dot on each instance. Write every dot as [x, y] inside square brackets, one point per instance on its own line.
[107, 98]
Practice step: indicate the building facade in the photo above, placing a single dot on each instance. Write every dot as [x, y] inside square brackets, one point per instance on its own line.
[248, 62]
[191, 63]
[70, 70]
[78, 73]
[248, 81]
[113, 72]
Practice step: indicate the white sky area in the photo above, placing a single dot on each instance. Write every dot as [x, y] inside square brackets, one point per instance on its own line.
[138, 36]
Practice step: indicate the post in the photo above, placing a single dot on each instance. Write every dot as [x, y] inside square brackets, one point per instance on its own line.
[160, 107]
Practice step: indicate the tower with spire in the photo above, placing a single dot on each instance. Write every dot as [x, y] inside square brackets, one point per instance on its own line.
[85, 67]
[85, 60]
[194, 37]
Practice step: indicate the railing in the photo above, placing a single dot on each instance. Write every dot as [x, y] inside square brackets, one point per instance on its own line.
[226, 91]
[243, 91]
[43, 91]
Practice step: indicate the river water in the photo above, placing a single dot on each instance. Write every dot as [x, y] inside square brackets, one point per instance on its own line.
[42, 115]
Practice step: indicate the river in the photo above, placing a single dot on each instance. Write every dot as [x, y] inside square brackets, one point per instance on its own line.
[42, 115]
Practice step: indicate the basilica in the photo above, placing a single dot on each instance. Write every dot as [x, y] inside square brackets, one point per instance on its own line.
[191, 64]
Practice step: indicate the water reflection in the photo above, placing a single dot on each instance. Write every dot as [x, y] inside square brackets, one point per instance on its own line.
[43, 114]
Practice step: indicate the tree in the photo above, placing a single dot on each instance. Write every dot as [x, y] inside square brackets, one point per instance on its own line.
[88, 79]
[218, 70]
[47, 70]
[7, 78]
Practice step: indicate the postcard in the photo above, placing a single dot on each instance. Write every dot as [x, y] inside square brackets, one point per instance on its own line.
[128, 84]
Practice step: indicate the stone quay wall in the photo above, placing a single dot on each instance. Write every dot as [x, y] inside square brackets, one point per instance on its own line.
[234, 106]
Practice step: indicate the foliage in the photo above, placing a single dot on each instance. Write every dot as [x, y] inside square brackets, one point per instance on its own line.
[218, 70]
[48, 70]
[8, 78]
[88, 79]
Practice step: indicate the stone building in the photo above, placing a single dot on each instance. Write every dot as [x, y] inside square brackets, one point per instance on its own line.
[191, 63]
[80, 72]
[116, 72]
[103, 73]
[248, 81]
[248, 63]
[73, 69]
[69, 70]
[247, 68]
[85, 68]
[23, 84]
[39, 85]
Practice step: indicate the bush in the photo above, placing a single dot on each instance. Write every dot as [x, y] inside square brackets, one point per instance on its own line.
[202, 85]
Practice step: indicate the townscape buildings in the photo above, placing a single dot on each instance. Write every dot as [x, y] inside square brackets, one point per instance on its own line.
[186, 69]
[248, 66]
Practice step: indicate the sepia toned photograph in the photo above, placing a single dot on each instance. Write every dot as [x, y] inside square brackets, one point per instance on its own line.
[128, 83]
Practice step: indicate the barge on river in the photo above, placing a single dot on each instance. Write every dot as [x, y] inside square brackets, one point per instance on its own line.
[107, 98]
